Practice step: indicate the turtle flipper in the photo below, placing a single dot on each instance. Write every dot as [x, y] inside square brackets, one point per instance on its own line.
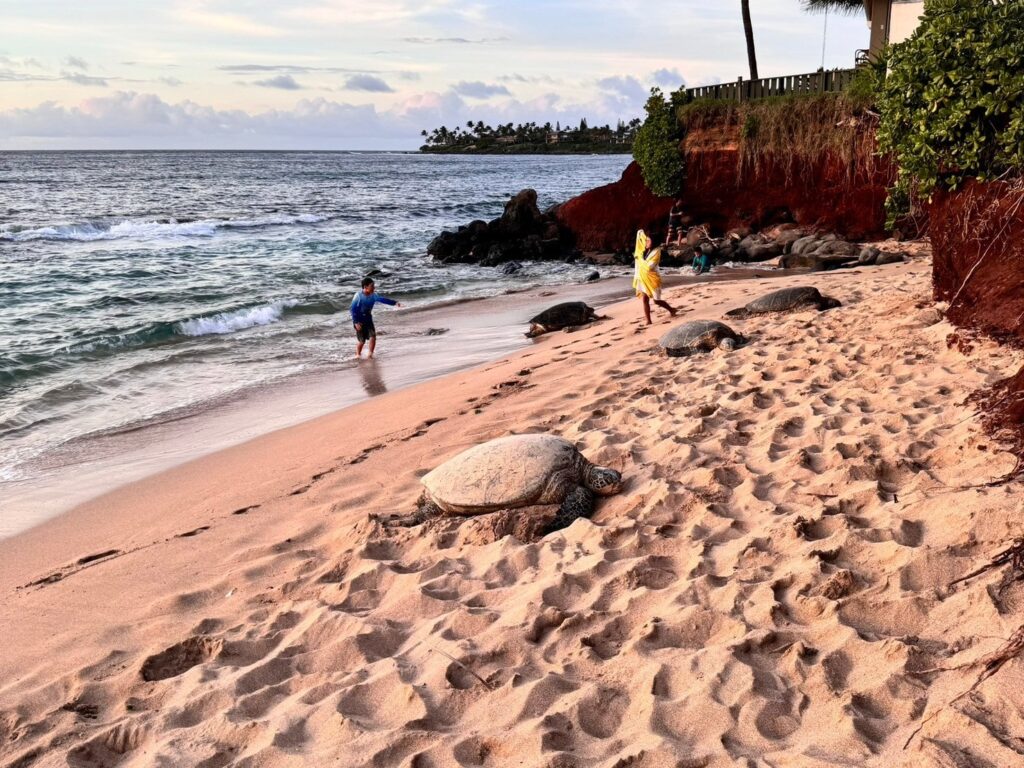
[578, 503]
[425, 510]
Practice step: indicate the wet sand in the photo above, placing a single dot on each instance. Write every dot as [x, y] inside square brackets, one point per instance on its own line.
[474, 332]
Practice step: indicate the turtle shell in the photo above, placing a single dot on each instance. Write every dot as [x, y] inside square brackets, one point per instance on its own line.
[501, 474]
[785, 299]
[564, 315]
[696, 335]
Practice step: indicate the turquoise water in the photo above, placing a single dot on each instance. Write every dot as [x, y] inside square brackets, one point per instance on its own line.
[137, 287]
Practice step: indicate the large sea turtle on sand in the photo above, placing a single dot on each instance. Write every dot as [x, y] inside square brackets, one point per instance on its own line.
[699, 336]
[565, 315]
[786, 300]
[511, 473]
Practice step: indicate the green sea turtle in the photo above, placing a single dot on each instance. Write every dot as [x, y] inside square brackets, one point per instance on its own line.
[699, 336]
[511, 473]
[565, 315]
[786, 300]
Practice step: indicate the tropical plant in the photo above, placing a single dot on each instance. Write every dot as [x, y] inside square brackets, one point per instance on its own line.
[656, 146]
[953, 102]
[833, 6]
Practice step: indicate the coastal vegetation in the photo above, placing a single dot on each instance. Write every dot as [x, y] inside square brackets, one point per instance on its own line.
[794, 130]
[945, 106]
[952, 105]
[531, 138]
[656, 148]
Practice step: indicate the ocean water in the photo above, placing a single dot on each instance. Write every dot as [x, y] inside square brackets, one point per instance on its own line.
[138, 288]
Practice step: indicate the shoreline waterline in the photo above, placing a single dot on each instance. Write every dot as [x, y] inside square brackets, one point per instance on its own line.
[415, 346]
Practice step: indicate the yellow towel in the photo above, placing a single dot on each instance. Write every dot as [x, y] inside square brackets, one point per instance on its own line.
[646, 279]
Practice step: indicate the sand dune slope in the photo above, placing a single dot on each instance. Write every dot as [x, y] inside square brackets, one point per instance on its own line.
[769, 589]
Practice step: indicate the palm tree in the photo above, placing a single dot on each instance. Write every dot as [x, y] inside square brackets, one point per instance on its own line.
[748, 30]
[833, 6]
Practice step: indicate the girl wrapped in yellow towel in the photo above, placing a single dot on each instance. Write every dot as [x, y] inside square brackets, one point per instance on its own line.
[646, 278]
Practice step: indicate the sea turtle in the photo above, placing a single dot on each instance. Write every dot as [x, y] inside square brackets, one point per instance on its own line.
[698, 336]
[786, 300]
[511, 473]
[565, 315]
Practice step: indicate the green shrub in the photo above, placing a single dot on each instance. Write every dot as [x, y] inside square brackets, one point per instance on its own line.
[656, 147]
[953, 103]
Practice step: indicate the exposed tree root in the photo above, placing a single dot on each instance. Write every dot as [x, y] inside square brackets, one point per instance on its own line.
[990, 665]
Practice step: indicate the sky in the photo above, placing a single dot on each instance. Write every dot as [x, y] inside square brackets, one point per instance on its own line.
[342, 74]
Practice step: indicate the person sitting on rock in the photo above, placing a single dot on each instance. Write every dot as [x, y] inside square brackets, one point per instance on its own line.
[675, 224]
[646, 278]
[701, 261]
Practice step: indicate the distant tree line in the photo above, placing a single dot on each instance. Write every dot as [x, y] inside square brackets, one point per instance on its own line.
[531, 137]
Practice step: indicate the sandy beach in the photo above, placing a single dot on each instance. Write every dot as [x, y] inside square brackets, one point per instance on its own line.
[770, 588]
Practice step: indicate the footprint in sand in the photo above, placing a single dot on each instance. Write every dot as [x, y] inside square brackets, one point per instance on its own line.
[180, 658]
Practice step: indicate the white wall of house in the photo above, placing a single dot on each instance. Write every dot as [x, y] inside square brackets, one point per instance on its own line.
[903, 19]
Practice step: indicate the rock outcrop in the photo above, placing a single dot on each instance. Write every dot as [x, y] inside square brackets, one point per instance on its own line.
[521, 232]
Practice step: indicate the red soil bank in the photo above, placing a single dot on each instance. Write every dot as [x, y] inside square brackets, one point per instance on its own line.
[825, 195]
[977, 235]
[607, 218]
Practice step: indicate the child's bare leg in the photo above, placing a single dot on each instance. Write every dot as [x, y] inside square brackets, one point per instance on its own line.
[373, 345]
[666, 306]
[359, 349]
[647, 308]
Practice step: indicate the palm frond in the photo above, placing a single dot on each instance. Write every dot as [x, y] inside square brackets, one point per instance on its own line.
[849, 7]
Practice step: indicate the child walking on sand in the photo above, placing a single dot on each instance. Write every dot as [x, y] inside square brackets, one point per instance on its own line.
[362, 315]
[646, 278]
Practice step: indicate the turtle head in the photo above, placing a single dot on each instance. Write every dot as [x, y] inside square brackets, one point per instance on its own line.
[827, 302]
[728, 344]
[602, 480]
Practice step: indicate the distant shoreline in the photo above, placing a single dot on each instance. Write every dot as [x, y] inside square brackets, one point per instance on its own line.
[532, 149]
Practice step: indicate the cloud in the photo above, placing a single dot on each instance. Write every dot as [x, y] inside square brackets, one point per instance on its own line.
[76, 63]
[125, 118]
[628, 87]
[284, 82]
[291, 69]
[453, 40]
[668, 78]
[368, 83]
[517, 78]
[480, 90]
[29, 62]
[242, 69]
[10, 76]
[129, 120]
[79, 79]
[171, 81]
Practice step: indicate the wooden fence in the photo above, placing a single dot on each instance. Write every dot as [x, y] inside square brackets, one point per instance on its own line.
[829, 81]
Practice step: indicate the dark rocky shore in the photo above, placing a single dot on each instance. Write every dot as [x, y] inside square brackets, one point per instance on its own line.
[524, 233]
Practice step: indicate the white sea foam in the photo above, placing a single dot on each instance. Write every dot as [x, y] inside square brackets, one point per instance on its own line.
[229, 322]
[150, 230]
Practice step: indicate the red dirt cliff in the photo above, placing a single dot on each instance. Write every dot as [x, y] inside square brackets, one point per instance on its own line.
[827, 194]
[977, 235]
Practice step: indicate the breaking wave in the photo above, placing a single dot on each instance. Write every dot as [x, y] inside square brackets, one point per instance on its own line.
[155, 229]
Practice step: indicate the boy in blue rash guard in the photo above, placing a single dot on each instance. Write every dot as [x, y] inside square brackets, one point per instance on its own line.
[362, 315]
